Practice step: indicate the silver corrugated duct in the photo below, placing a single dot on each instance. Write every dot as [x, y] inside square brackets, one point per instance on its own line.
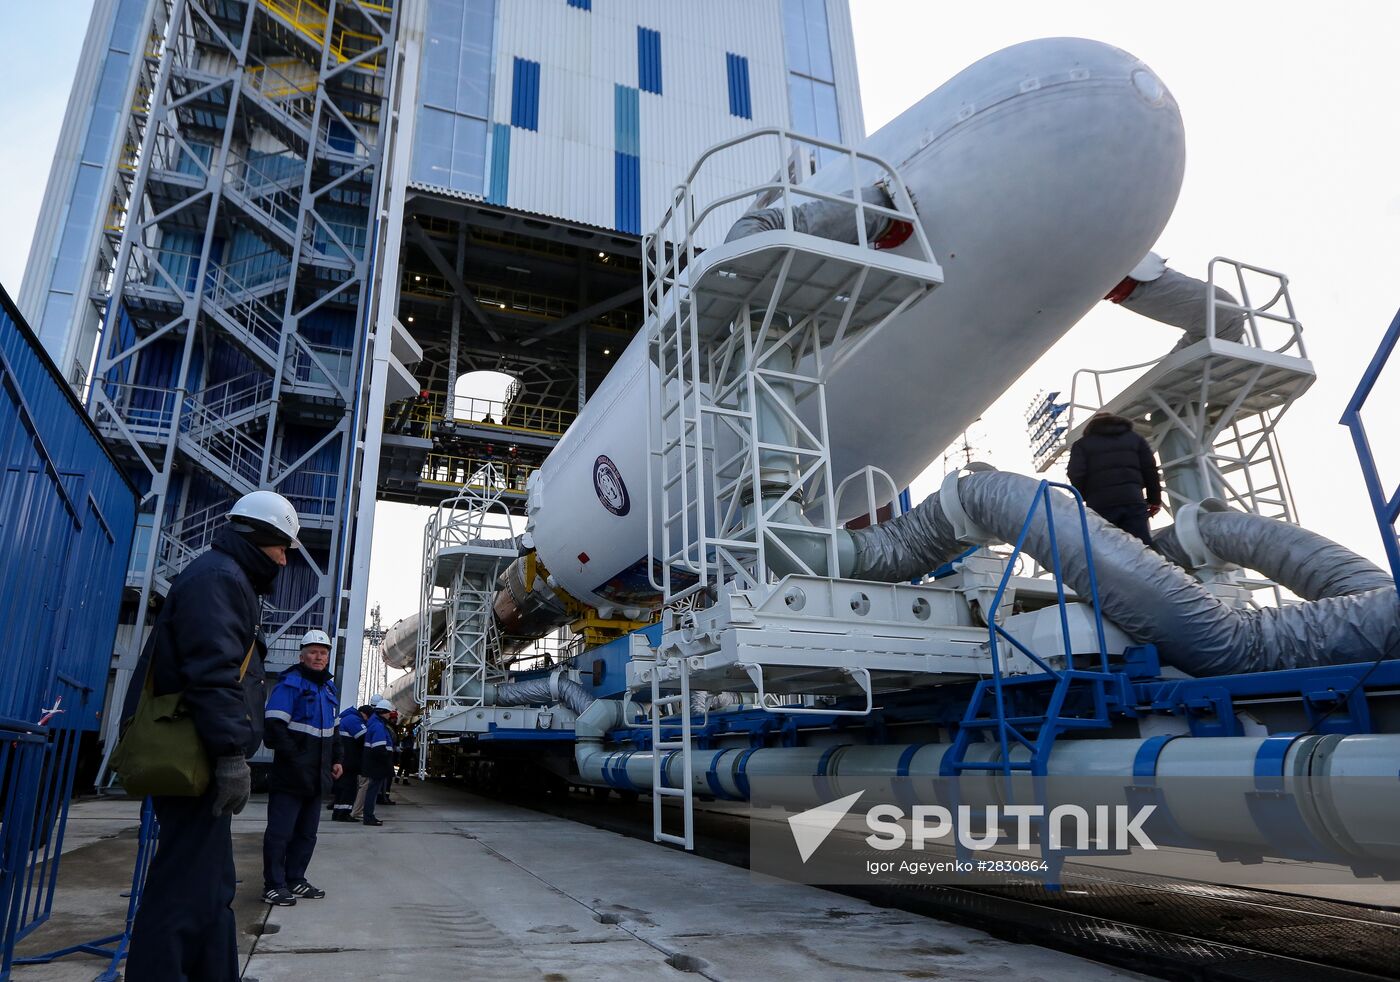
[1310, 565]
[1148, 597]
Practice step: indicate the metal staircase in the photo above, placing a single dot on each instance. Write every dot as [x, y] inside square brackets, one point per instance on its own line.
[743, 338]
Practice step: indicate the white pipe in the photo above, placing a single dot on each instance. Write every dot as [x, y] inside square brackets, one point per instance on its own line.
[1350, 805]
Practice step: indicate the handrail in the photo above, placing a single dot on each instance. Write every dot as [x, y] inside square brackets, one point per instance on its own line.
[451, 470]
[1385, 506]
[1006, 731]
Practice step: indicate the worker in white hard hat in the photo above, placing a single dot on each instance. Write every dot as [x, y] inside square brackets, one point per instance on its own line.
[379, 757]
[367, 711]
[207, 645]
[301, 732]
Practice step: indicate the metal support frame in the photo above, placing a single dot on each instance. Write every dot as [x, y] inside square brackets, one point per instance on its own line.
[1213, 406]
[466, 545]
[744, 337]
[1386, 505]
[1209, 410]
[276, 237]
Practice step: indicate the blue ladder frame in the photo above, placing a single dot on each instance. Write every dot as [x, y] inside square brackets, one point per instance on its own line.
[1387, 508]
[1036, 733]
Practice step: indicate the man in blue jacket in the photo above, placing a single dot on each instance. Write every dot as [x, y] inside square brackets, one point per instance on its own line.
[207, 644]
[351, 725]
[301, 731]
[379, 756]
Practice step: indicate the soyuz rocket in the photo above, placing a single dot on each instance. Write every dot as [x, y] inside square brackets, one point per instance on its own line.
[1041, 175]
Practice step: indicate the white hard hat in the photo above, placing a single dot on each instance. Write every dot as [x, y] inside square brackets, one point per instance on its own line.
[1150, 268]
[382, 703]
[315, 637]
[267, 512]
[376, 698]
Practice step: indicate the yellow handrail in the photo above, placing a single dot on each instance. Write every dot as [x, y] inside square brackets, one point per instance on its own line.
[310, 19]
[452, 471]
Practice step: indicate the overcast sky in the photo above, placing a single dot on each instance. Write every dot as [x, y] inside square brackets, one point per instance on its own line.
[1292, 112]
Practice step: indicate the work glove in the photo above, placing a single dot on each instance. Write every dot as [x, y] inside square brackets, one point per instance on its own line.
[233, 782]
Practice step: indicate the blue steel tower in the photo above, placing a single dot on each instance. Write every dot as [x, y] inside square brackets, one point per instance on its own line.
[278, 234]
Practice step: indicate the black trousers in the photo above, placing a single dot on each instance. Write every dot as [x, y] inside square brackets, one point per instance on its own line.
[184, 930]
[1131, 519]
[290, 839]
[344, 788]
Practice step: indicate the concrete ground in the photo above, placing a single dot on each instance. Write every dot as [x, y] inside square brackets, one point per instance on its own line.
[460, 887]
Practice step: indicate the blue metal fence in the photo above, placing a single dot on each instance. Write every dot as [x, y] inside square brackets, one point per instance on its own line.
[66, 520]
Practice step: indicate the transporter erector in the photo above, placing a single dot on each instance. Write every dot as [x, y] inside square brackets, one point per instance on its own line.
[752, 598]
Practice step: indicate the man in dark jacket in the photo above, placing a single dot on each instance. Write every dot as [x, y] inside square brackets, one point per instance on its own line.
[301, 732]
[351, 726]
[379, 757]
[1112, 468]
[207, 643]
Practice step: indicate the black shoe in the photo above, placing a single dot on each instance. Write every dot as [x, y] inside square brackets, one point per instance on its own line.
[388, 801]
[279, 897]
[372, 821]
[305, 891]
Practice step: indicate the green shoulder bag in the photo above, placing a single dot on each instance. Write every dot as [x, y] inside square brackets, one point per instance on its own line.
[161, 753]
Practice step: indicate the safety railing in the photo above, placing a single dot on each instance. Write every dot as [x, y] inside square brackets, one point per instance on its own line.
[281, 95]
[707, 522]
[313, 493]
[1029, 729]
[114, 947]
[425, 415]
[142, 411]
[317, 364]
[1093, 388]
[275, 197]
[1385, 504]
[233, 396]
[37, 765]
[245, 310]
[448, 470]
[222, 444]
[311, 20]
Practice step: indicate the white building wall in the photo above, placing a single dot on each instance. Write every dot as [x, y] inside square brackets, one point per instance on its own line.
[566, 168]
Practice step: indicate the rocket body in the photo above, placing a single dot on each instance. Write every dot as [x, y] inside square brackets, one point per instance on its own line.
[1041, 175]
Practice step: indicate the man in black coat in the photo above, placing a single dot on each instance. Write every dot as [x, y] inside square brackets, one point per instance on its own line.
[1114, 470]
[207, 643]
[307, 757]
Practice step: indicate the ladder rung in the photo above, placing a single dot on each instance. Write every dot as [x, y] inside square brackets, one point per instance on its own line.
[670, 792]
[669, 745]
[675, 840]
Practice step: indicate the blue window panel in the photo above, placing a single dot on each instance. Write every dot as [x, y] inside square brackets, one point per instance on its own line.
[649, 60]
[627, 120]
[581, 4]
[627, 190]
[500, 164]
[738, 70]
[432, 153]
[457, 56]
[806, 38]
[339, 137]
[525, 95]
